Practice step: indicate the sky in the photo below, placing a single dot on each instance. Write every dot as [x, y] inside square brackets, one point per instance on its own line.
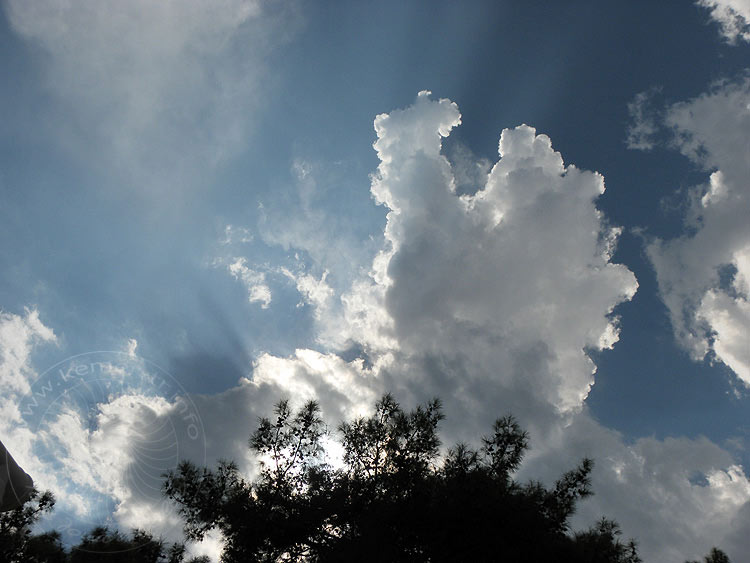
[536, 208]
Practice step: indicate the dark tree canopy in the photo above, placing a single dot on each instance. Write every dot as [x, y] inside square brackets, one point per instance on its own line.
[112, 546]
[19, 545]
[715, 556]
[394, 499]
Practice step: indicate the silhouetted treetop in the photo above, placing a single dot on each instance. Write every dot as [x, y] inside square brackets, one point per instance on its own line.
[391, 441]
[19, 545]
[393, 499]
[715, 556]
[292, 443]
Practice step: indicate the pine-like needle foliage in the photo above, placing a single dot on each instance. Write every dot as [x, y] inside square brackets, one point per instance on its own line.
[394, 499]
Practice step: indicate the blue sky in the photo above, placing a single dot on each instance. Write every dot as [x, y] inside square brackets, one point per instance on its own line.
[192, 205]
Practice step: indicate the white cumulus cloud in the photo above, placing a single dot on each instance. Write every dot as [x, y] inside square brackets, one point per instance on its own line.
[733, 16]
[18, 334]
[490, 300]
[511, 284]
[99, 434]
[489, 297]
[678, 497]
[703, 275]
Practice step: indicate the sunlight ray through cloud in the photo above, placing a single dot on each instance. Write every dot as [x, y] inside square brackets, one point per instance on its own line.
[209, 206]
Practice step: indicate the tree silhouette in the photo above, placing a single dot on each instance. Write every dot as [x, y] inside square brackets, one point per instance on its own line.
[394, 499]
[601, 543]
[112, 546]
[18, 544]
[715, 556]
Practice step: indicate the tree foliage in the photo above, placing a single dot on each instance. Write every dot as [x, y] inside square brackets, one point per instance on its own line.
[113, 546]
[18, 543]
[394, 499]
[715, 556]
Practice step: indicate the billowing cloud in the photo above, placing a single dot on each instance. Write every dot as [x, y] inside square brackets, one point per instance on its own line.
[678, 497]
[165, 88]
[343, 389]
[504, 287]
[18, 334]
[703, 280]
[704, 275]
[489, 297]
[509, 285]
[733, 16]
[98, 430]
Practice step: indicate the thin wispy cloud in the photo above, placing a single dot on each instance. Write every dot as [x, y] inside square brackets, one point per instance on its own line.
[159, 91]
